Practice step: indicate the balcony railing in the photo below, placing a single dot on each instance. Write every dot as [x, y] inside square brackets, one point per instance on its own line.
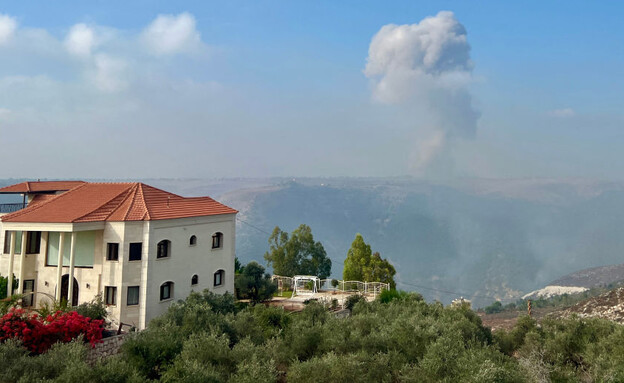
[11, 207]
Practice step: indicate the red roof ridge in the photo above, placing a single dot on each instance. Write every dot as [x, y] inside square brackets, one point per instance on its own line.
[142, 195]
[120, 204]
[107, 202]
[160, 190]
[29, 209]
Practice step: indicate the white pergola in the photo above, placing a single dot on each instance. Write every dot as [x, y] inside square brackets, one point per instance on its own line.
[299, 284]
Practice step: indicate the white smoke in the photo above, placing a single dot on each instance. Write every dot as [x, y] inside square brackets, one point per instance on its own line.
[426, 68]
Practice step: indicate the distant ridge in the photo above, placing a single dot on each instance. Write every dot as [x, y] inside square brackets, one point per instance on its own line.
[594, 277]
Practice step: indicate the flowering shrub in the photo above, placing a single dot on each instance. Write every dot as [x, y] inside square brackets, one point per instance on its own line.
[38, 334]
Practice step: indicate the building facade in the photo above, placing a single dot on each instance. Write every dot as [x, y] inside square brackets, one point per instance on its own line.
[141, 248]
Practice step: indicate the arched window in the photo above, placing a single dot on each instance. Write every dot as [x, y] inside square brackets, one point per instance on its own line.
[194, 280]
[163, 249]
[193, 240]
[217, 240]
[219, 277]
[166, 291]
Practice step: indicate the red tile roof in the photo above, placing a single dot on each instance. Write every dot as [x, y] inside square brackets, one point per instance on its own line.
[97, 202]
[41, 186]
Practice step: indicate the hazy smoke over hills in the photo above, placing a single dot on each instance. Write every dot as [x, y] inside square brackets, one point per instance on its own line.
[425, 68]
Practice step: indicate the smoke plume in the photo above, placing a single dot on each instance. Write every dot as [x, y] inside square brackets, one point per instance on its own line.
[426, 68]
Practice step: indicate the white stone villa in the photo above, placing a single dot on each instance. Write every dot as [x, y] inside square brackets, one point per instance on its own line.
[140, 247]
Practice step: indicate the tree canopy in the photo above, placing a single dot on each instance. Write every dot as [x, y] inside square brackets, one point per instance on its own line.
[362, 265]
[297, 253]
[253, 284]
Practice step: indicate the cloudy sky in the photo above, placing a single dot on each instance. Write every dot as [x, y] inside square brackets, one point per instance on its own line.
[128, 89]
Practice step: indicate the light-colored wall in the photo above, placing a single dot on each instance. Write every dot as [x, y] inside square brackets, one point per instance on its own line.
[185, 260]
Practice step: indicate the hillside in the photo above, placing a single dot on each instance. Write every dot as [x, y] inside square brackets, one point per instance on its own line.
[593, 277]
[483, 239]
[609, 305]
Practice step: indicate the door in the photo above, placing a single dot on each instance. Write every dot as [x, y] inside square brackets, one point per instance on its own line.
[65, 290]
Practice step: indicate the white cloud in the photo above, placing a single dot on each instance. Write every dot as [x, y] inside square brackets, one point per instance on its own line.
[8, 25]
[426, 68]
[562, 113]
[170, 34]
[110, 73]
[80, 40]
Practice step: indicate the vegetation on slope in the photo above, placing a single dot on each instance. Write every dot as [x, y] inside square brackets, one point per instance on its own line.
[558, 301]
[399, 338]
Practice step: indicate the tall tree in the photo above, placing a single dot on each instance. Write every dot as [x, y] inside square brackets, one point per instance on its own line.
[362, 265]
[358, 258]
[297, 253]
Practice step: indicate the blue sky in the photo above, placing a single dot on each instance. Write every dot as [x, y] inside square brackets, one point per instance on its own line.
[272, 88]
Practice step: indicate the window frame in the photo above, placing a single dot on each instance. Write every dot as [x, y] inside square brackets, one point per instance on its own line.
[220, 274]
[7, 241]
[194, 280]
[217, 240]
[135, 244]
[107, 295]
[29, 243]
[170, 285]
[6, 249]
[163, 246]
[28, 300]
[193, 240]
[138, 295]
[109, 246]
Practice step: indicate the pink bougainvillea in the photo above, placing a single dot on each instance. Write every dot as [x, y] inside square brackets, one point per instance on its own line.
[39, 334]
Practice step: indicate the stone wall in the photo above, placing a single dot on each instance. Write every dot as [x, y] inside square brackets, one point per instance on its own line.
[109, 346]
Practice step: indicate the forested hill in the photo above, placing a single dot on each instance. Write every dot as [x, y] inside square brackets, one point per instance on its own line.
[484, 240]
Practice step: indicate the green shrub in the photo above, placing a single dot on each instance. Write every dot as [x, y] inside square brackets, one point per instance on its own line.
[494, 308]
[354, 299]
[96, 309]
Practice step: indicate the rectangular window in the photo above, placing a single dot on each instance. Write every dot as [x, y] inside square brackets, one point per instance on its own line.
[216, 240]
[135, 251]
[85, 248]
[7, 242]
[33, 242]
[218, 278]
[110, 295]
[165, 290]
[133, 295]
[112, 251]
[29, 287]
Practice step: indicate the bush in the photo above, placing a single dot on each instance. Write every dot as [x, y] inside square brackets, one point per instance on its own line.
[96, 309]
[352, 300]
[38, 334]
[388, 296]
[494, 308]
[253, 284]
[4, 283]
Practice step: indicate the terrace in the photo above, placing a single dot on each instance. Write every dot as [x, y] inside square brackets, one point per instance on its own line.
[11, 207]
